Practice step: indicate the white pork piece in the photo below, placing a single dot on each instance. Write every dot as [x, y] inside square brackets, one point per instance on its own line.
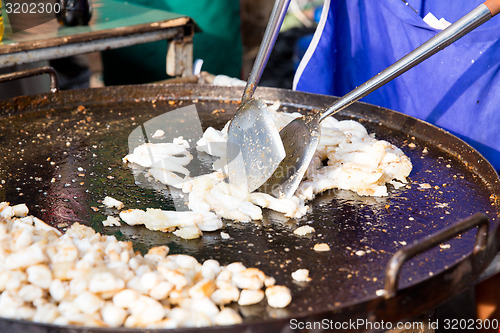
[125, 298]
[169, 156]
[202, 305]
[301, 275]
[211, 192]
[278, 296]
[167, 177]
[7, 212]
[281, 119]
[213, 142]
[188, 232]
[113, 315]
[210, 222]
[111, 221]
[303, 230]
[228, 316]
[20, 210]
[225, 294]
[133, 216]
[197, 189]
[26, 258]
[163, 220]
[113, 203]
[249, 278]
[105, 282]
[249, 297]
[40, 275]
[291, 207]
[361, 164]
[88, 303]
[147, 310]
[210, 268]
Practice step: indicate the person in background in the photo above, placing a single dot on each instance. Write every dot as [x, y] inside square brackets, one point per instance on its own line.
[457, 89]
[218, 45]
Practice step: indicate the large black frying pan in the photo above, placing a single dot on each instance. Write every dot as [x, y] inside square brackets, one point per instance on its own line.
[50, 136]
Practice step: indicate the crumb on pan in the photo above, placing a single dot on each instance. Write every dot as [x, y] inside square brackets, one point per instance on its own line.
[304, 230]
[301, 275]
[111, 221]
[320, 247]
[360, 253]
[158, 134]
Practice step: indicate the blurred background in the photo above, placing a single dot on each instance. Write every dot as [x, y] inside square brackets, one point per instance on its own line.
[228, 43]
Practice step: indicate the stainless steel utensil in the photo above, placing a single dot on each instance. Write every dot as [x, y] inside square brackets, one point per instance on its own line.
[254, 148]
[301, 136]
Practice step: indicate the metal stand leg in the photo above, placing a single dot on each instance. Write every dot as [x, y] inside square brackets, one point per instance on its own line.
[180, 57]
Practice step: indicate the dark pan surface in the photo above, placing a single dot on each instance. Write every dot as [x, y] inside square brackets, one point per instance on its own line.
[45, 139]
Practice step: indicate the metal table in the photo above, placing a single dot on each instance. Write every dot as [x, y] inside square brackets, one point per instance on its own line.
[114, 24]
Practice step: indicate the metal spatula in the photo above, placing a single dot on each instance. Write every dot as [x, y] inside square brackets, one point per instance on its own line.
[254, 148]
[301, 136]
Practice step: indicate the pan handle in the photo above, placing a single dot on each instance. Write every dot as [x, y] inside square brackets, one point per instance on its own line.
[393, 268]
[54, 86]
